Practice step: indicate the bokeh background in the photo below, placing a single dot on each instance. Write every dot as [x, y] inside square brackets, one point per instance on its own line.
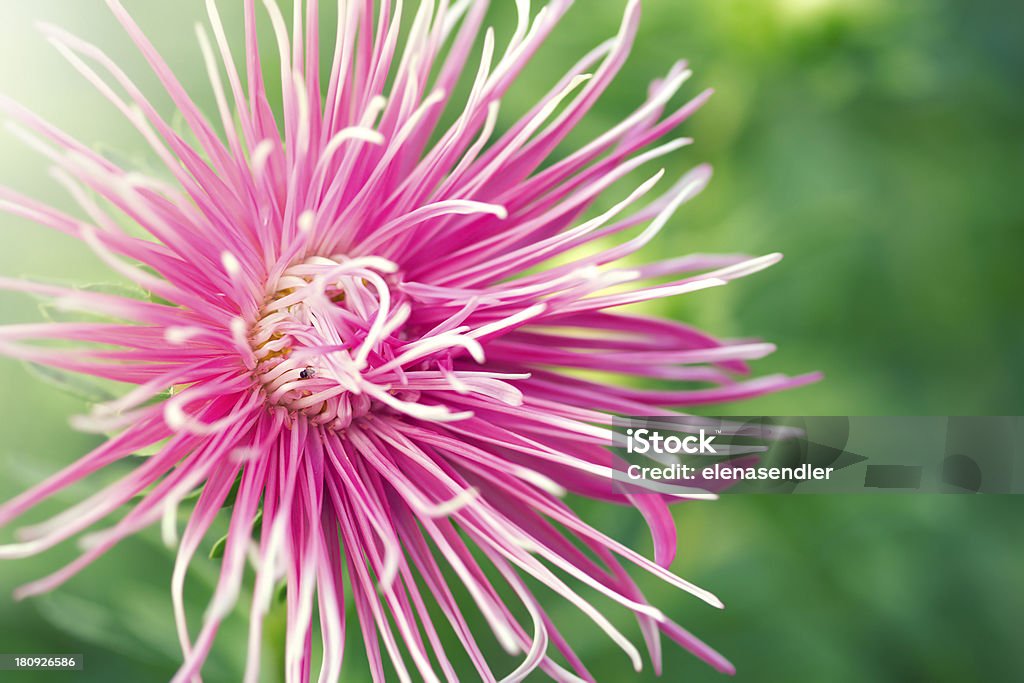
[877, 144]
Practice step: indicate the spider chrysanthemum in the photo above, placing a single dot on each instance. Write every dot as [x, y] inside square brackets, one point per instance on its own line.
[380, 336]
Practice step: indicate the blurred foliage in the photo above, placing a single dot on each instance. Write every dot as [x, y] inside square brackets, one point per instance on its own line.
[877, 144]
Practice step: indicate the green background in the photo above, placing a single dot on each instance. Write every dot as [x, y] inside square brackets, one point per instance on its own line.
[877, 144]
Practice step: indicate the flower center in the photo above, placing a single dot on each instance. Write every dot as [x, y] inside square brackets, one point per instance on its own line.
[308, 342]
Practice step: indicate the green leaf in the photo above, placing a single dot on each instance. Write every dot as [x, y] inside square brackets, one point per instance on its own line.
[70, 383]
[217, 551]
[130, 623]
[128, 291]
[150, 296]
[122, 606]
[150, 450]
[233, 493]
[58, 314]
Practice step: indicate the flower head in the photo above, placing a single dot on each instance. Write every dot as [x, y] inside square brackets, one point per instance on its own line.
[364, 330]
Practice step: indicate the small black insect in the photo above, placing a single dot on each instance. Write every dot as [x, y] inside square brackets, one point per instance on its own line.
[307, 372]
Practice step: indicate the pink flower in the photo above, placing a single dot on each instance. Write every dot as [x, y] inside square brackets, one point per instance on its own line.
[358, 325]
